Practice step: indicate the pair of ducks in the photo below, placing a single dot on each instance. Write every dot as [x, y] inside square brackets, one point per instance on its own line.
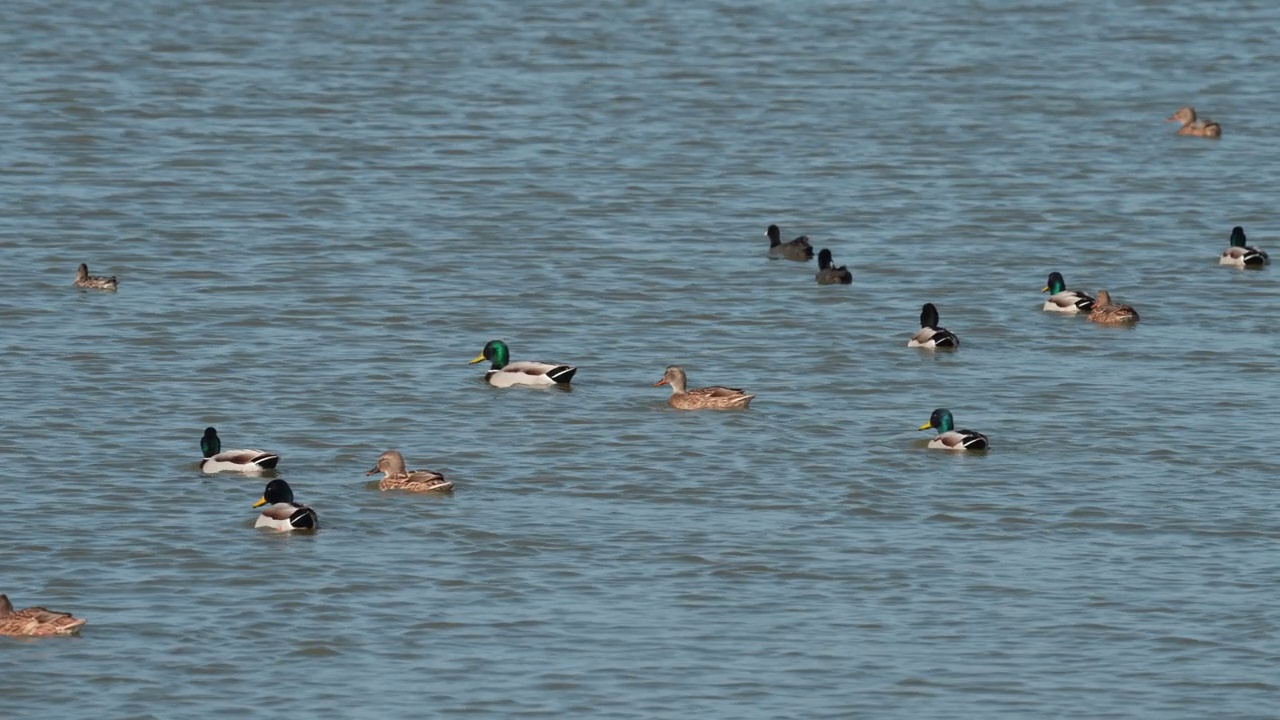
[800, 250]
[505, 373]
[1191, 125]
[1101, 309]
[282, 514]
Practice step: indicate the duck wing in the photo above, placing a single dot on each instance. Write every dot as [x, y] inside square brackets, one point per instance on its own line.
[261, 458]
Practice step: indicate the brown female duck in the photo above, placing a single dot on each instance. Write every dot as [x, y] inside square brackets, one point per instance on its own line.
[395, 477]
[709, 398]
[1191, 126]
[35, 621]
[93, 282]
[1105, 311]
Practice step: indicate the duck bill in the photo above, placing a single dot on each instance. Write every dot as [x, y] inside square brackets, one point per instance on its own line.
[261, 502]
[925, 426]
[479, 358]
[1045, 289]
[663, 381]
[1171, 119]
[371, 472]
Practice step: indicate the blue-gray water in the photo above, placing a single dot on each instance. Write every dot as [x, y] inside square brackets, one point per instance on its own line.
[319, 211]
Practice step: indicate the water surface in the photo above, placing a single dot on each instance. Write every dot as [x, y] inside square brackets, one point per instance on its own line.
[319, 213]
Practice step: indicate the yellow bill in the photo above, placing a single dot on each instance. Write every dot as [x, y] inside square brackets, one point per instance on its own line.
[925, 426]
[260, 503]
[479, 358]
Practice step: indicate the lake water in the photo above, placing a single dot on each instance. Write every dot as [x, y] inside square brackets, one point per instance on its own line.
[319, 211]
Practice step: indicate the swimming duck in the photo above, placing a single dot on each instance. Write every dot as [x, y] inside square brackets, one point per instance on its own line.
[504, 373]
[1191, 126]
[712, 398]
[1241, 255]
[395, 477]
[798, 249]
[93, 282]
[282, 514]
[1105, 311]
[948, 438]
[1063, 300]
[245, 461]
[930, 335]
[35, 621]
[828, 274]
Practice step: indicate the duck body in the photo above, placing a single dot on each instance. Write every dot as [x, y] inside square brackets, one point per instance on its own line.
[93, 282]
[715, 397]
[217, 460]
[1063, 300]
[1241, 255]
[35, 621]
[396, 477]
[798, 249]
[829, 274]
[949, 438]
[504, 373]
[931, 336]
[1110, 313]
[1191, 125]
[282, 514]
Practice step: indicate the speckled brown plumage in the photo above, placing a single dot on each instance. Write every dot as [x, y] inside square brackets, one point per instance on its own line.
[35, 621]
[93, 282]
[1105, 311]
[1194, 126]
[708, 398]
[395, 477]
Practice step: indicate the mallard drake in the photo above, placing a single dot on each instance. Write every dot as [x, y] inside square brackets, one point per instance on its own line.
[1241, 255]
[395, 477]
[504, 373]
[828, 274]
[35, 621]
[948, 438]
[1192, 126]
[798, 249]
[244, 461]
[93, 282]
[282, 514]
[1105, 311]
[1063, 300]
[711, 398]
[930, 335]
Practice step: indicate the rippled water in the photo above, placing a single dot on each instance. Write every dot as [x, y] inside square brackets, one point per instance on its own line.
[319, 212]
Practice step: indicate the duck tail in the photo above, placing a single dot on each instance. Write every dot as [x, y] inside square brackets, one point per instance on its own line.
[562, 374]
[266, 461]
[305, 519]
